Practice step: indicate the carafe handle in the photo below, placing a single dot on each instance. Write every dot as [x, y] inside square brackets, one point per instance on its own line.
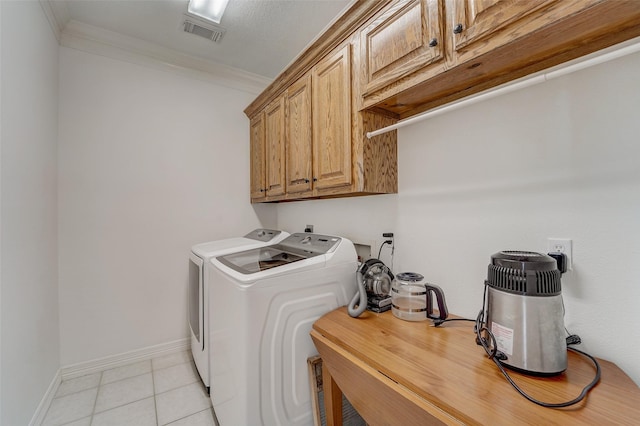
[434, 290]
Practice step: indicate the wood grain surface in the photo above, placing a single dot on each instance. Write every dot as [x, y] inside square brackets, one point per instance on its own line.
[275, 147]
[256, 147]
[438, 375]
[502, 41]
[299, 136]
[331, 120]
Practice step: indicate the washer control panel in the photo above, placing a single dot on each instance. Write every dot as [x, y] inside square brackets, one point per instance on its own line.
[314, 243]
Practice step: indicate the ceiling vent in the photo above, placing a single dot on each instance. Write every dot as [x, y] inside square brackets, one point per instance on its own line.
[211, 32]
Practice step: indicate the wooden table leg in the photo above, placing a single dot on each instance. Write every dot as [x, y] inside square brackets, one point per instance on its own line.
[332, 399]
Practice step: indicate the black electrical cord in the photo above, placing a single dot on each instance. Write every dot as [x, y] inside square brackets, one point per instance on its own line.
[382, 245]
[496, 356]
[579, 398]
[491, 350]
[438, 322]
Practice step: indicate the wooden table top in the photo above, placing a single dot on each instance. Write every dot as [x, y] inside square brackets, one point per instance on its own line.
[444, 366]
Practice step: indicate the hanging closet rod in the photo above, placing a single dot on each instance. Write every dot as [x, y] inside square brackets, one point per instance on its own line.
[596, 58]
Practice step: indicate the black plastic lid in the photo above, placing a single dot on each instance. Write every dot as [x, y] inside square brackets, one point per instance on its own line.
[411, 277]
[525, 273]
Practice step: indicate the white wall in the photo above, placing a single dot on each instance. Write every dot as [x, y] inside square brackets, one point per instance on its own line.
[561, 159]
[29, 240]
[151, 162]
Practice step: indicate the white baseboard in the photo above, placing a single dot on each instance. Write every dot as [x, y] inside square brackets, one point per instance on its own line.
[38, 416]
[101, 364]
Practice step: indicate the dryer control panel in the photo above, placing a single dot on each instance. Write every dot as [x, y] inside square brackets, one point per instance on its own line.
[264, 235]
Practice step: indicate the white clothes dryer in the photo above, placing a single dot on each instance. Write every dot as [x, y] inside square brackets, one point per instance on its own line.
[199, 291]
[262, 310]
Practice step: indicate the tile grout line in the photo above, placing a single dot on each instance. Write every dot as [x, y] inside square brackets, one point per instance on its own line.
[177, 387]
[125, 378]
[130, 402]
[154, 402]
[188, 415]
[125, 404]
[77, 391]
[95, 401]
[153, 383]
[141, 399]
[152, 371]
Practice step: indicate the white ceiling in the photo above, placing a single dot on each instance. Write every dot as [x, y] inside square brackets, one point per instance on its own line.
[262, 37]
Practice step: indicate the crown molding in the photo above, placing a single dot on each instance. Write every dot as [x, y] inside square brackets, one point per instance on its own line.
[57, 14]
[92, 39]
[353, 17]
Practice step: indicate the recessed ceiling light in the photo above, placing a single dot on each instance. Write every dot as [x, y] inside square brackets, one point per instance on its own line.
[211, 10]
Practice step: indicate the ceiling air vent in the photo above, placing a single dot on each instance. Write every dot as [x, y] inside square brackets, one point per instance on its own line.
[211, 32]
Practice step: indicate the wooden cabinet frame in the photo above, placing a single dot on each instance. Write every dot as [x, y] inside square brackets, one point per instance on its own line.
[407, 36]
[490, 42]
[299, 137]
[331, 120]
[257, 157]
[274, 117]
[325, 148]
[406, 57]
[480, 19]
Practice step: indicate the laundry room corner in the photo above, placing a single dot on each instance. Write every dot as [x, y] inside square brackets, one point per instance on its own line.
[138, 195]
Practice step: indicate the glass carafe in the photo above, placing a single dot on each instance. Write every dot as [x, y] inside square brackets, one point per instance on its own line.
[409, 297]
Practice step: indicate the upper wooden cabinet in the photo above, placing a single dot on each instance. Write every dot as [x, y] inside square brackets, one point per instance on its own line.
[299, 137]
[257, 157]
[404, 38]
[267, 152]
[332, 120]
[325, 147]
[477, 21]
[390, 59]
[275, 147]
[490, 42]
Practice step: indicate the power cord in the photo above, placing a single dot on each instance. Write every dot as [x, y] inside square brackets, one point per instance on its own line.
[382, 245]
[496, 356]
[389, 241]
[439, 322]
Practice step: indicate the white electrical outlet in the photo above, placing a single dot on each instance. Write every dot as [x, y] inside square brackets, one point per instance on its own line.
[561, 245]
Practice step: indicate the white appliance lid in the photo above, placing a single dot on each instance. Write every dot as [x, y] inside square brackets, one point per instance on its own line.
[260, 259]
[294, 248]
[255, 238]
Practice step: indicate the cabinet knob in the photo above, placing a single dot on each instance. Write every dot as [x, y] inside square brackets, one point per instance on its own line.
[315, 179]
[262, 190]
[306, 181]
[457, 29]
[433, 42]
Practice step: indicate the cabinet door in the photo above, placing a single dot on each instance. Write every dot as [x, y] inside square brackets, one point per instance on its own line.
[331, 109]
[299, 136]
[275, 147]
[256, 147]
[477, 20]
[404, 39]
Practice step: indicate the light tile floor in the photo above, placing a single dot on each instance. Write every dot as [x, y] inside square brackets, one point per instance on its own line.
[163, 391]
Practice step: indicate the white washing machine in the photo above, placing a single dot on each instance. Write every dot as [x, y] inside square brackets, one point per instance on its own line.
[199, 292]
[264, 304]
